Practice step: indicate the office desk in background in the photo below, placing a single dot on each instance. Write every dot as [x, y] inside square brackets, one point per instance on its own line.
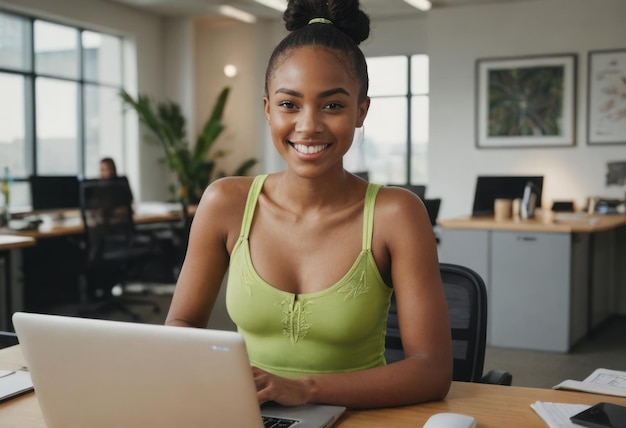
[12, 284]
[550, 281]
[493, 406]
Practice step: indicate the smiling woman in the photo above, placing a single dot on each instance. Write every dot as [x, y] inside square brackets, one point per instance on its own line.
[313, 252]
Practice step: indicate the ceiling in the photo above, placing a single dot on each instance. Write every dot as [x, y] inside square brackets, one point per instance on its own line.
[376, 9]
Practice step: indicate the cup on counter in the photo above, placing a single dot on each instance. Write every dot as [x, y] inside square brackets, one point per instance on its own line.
[503, 209]
[517, 208]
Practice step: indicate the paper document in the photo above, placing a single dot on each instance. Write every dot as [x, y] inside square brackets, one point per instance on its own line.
[601, 381]
[13, 383]
[557, 415]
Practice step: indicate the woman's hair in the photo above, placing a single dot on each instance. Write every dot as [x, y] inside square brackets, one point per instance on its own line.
[343, 25]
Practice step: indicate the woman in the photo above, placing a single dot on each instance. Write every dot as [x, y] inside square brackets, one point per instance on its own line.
[108, 169]
[314, 252]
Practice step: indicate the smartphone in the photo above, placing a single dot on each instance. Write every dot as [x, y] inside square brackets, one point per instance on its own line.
[602, 415]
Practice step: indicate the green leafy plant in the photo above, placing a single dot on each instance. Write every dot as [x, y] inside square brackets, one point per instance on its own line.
[194, 167]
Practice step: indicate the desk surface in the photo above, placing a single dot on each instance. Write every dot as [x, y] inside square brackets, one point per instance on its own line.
[8, 242]
[546, 223]
[73, 224]
[491, 405]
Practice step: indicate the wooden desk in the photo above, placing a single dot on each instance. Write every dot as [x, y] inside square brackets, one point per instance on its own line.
[72, 224]
[8, 263]
[12, 284]
[550, 282]
[493, 406]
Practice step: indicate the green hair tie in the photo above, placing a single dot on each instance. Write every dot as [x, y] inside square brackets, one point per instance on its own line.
[320, 21]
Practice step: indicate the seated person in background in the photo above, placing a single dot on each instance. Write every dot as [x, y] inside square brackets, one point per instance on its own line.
[314, 252]
[107, 168]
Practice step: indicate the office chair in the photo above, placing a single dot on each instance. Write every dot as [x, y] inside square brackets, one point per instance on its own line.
[466, 295]
[113, 249]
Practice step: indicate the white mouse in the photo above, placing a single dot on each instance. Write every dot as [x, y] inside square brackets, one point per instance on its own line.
[450, 420]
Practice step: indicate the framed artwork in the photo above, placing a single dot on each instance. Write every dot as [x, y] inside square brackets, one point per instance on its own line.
[526, 101]
[606, 97]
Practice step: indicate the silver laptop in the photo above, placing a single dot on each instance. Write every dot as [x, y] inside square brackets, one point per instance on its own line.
[97, 373]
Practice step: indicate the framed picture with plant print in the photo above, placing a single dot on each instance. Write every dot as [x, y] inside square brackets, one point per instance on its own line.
[606, 111]
[526, 101]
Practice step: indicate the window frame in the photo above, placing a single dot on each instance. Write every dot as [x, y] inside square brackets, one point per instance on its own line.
[30, 76]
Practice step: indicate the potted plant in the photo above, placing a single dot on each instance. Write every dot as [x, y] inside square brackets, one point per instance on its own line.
[194, 167]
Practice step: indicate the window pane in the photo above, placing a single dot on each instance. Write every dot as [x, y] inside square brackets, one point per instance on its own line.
[388, 75]
[419, 139]
[102, 56]
[103, 128]
[383, 149]
[15, 43]
[56, 49]
[419, 74]
[13, 130]
[57, 139]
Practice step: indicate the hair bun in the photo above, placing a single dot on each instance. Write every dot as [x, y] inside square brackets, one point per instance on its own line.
[345, 15]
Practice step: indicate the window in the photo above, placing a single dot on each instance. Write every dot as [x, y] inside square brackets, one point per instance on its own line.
[393, 144]
[60, 111]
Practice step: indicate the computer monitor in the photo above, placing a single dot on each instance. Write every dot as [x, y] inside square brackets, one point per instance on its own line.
[490, 188]
[53, 193]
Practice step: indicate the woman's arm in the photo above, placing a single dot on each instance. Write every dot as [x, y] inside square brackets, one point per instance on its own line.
[213, 233]
[402, 230]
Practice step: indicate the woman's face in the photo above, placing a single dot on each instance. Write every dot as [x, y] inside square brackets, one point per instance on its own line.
[313, 108]
[106, 172]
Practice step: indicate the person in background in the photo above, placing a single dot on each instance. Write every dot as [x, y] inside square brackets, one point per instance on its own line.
[313, 252]
[108, 169]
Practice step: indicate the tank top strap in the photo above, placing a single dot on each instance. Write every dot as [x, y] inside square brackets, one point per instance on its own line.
[253, 196]
[368, 214]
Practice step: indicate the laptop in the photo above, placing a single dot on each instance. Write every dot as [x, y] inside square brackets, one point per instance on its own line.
[103, 374]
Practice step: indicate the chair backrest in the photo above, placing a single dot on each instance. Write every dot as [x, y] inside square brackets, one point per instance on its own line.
[107, 213]
[467, 308]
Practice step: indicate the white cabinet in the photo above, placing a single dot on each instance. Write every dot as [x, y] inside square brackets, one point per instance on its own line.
[530, 290]
[536, 284]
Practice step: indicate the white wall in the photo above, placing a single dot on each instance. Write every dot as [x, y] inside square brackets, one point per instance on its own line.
[457, 37]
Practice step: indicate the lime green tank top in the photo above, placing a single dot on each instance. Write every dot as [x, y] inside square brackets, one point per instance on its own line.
[341, 328]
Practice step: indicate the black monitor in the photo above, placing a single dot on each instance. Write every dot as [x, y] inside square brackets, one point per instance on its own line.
[51, 193]
[490, 188]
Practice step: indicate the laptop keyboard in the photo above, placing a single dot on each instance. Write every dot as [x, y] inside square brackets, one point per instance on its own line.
[269, 422]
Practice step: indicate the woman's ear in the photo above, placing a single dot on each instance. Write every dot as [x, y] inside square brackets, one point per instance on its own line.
[266, 108]
[362, 112]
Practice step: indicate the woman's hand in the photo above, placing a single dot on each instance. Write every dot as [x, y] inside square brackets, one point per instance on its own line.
[284, 391]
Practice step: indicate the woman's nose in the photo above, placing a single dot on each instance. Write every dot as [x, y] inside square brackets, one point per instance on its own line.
[309, 121]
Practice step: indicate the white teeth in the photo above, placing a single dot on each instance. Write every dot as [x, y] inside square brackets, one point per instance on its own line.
[309, 150]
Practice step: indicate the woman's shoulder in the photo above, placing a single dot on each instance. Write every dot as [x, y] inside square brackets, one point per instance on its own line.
[227, 192]
[396, 203]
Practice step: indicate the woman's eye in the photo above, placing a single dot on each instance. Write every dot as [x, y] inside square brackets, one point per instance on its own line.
[287, 104]
[333, 106]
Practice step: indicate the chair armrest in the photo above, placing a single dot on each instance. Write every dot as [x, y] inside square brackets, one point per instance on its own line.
[497, 377]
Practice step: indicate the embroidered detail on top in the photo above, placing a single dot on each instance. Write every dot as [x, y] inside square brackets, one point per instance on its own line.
[356, 286]
[294, 322]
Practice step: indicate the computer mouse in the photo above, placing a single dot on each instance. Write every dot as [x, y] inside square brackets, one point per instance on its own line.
[450, 420]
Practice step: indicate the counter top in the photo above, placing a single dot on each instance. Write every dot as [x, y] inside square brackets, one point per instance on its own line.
[548, 222]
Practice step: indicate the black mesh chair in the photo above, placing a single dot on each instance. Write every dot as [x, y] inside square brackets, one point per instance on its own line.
[113, 249]
[466, 295]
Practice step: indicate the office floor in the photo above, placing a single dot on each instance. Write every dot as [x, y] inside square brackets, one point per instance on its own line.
[606, 349]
